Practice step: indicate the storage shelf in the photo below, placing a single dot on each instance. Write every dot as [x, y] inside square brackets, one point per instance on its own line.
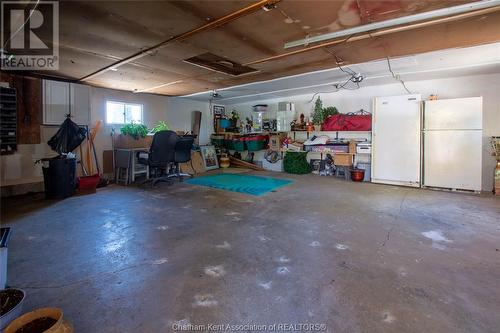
[253, 133]
[8, 121]
[330, 131]
[308, 133]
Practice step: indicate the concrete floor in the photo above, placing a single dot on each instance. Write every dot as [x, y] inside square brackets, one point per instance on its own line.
[356, 257]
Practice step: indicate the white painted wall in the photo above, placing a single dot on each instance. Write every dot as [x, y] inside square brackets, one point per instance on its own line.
[487, 86]
[19, 168]
[154, 107]
[176, 112]
[179, 116]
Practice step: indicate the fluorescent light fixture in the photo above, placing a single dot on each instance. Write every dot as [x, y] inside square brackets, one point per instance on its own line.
[156, 87]
[397, 21]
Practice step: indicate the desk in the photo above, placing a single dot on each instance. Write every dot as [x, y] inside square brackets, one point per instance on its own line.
[134, 168]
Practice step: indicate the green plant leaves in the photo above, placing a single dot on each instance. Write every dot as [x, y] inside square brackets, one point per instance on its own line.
[317, 114]
[136, 131]
[329, 111]
[320, 113]
[160, 126]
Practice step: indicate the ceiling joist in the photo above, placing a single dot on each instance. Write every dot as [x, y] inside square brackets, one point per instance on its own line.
[211, 25]
[143, 46]
[377, 33]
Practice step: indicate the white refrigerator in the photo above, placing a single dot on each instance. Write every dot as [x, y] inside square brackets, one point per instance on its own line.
[452, 143]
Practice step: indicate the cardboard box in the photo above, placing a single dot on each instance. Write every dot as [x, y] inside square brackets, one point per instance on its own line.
[352, 147]
[343, 159]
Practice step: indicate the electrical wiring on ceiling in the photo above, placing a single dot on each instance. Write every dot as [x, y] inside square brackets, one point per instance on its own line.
[346, 83]
[347, 70]
[396, 76]
[354, 77]
[320, 92]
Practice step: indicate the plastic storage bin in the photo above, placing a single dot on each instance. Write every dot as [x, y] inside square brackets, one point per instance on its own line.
[217, 140]
[224, 123]
[255, 143]
[239, 144]
[228, 144]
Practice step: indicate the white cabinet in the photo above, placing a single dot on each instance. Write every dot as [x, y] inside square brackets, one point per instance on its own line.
[63, 98]
[55, 102]
[80, 103]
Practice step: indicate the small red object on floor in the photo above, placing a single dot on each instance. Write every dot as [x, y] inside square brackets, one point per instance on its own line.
[88, 184]
[357, 175]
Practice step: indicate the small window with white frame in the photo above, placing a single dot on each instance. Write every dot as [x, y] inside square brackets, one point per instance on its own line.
[123, 113]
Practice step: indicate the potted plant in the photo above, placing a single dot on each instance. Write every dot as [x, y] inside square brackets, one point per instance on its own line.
[495, 150]
[160, 126]
[133, 136]
[41, 320]
[234, 118]
[11, 305]
[329, 111]
[317, 114]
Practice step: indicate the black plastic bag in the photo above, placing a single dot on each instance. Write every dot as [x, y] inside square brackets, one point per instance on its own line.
[68, 137]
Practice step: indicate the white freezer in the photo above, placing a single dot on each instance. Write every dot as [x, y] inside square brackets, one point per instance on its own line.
[396, 140]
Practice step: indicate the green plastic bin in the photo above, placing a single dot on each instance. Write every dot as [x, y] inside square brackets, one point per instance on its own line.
[228, 144]
[255, 143]
[238, 144]
[217, 140]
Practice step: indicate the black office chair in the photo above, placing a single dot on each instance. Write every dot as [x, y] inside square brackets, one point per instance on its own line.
[182, 155]
[160, 156]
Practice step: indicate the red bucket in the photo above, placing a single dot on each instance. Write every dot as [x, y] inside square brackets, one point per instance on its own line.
[357, 175]
[88, 184]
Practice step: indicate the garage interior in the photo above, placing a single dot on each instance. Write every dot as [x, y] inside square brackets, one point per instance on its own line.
[257, 166]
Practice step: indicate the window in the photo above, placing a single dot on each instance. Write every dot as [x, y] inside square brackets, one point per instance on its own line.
[123, 113]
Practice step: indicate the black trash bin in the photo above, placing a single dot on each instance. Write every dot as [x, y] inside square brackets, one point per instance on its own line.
[59, 177]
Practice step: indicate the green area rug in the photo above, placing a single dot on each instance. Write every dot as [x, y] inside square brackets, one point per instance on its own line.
[253, 185]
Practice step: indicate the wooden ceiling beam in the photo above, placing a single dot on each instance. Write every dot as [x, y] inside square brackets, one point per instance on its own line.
[210, 25]
[255, 44]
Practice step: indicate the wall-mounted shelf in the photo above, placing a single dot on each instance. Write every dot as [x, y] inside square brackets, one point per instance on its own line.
[8, 120]
[308, 133]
